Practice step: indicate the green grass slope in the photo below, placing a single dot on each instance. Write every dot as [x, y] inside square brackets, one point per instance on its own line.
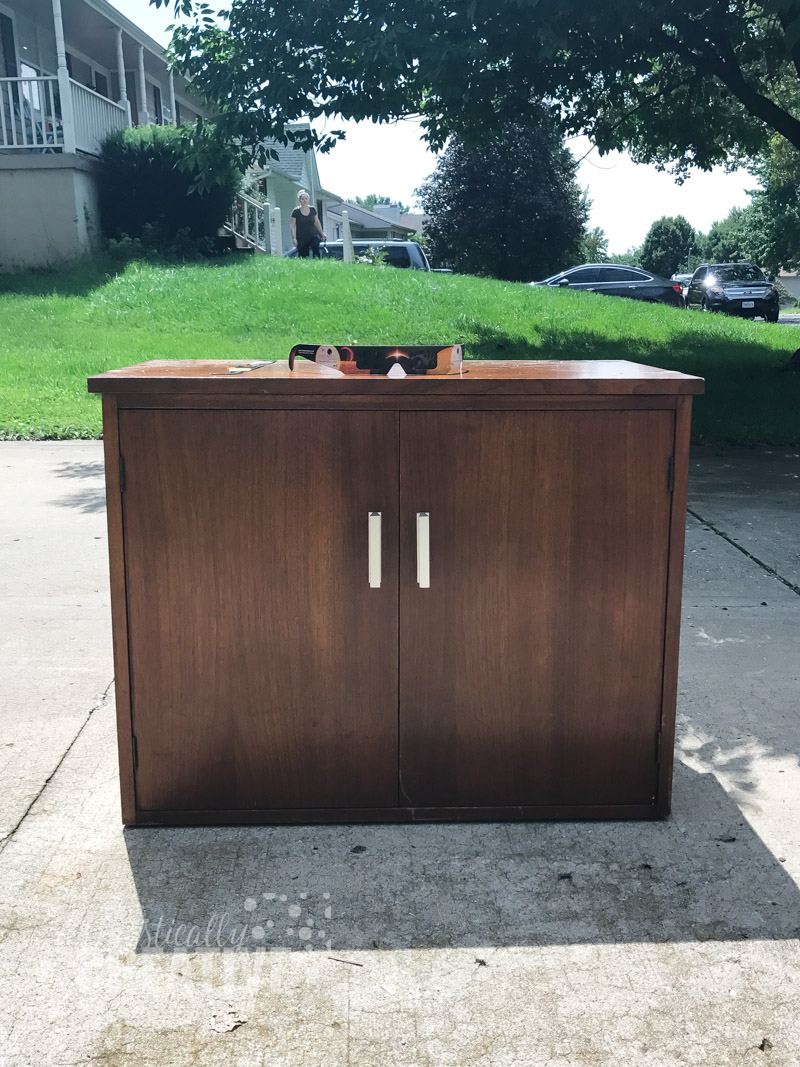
[57, 329]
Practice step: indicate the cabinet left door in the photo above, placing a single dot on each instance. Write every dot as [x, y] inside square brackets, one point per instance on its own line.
[263, 663]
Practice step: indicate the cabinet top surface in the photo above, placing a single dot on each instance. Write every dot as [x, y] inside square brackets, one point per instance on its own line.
[192, 376]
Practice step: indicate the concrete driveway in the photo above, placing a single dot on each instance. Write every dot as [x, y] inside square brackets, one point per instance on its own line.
[525, 944]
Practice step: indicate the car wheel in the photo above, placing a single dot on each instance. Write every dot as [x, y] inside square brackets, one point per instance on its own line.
[772, 316]
[704, 307]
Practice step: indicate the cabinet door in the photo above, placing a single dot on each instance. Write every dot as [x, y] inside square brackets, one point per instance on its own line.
[263, 665]
[530, 669]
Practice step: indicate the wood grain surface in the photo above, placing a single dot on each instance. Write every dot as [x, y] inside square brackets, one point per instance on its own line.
[264, 667]
[496, 377]
[531, 669]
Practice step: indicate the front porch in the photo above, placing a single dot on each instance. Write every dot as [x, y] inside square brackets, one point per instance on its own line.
[32, 118]
[73, 71]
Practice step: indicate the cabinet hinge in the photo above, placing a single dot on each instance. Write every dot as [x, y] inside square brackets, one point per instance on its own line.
[122, 474]
[671, 474]
[135, 753]
[658, 747]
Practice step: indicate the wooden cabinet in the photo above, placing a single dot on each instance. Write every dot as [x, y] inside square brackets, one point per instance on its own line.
[512, 653]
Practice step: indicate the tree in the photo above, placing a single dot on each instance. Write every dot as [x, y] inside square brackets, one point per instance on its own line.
[771, 228]
[631, 258]
[730, 239]
[369, 201]
[668, 245]
[693, 85]
[511, 210]
[594, 246]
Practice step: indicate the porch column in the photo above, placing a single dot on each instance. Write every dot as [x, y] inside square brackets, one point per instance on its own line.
[144, 117]
[123, 84]
[64, 87]
[172, 109]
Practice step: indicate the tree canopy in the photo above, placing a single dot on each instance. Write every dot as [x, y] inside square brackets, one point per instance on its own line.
[369, 201]
[668, 246]
[691, 85]
[510, 210]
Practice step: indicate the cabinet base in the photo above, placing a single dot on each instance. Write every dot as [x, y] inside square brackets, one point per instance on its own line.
[577, 812]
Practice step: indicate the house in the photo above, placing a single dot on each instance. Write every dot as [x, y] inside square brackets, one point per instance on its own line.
[393, 213]
[71, 71]
[281, 180]
[365, 224]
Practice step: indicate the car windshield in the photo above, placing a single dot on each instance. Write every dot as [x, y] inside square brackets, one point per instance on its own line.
[737, 272]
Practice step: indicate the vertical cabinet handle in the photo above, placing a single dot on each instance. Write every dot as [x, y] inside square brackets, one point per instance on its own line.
[423, 550]
[374, 527]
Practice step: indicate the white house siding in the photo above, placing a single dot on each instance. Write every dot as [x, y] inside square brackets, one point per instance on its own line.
[48, 211]
[792, 283]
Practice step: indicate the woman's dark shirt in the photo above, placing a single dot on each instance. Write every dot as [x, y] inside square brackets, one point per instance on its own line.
[304, 225]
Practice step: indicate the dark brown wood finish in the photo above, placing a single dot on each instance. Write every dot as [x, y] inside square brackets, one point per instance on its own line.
[264, 668]
[119, 619]
[531, 670]
[235, 816]
[672, 637]
[487, 377]
[268, 682]
[530, 402]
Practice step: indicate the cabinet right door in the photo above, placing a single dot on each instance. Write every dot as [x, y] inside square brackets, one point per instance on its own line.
[531, 666]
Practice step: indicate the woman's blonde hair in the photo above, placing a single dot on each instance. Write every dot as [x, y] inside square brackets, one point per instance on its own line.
[303, 193]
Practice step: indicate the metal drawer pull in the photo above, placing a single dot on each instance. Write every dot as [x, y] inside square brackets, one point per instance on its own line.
[423, 550]
[374, 528]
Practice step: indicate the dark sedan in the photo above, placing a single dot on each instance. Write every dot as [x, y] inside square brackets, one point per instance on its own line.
[735, 288]
[618, 280]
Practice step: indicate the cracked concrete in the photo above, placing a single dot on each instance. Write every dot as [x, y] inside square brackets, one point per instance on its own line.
[604, 944]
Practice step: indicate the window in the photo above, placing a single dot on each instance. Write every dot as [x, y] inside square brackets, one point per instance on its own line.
[738, 272]
[583, 276]
[699, 274]
[397, 257]
[158, 113]
[8, 52]
[622, 274]
[100, 84]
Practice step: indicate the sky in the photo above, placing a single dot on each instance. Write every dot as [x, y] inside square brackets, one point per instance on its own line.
[391, 159]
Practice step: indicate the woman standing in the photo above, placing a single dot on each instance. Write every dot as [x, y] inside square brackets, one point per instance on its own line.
[304, 225]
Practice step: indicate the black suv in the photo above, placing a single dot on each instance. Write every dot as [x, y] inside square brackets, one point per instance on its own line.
[406, 254]
[735, 288]
[618, 280]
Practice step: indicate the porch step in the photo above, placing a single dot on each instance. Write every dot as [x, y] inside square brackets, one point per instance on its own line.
[228, 243]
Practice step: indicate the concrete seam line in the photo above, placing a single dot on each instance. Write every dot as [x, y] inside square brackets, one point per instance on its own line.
[96, 707]
[764, 566]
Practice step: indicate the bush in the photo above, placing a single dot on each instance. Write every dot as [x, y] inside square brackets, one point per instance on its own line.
[148, 194]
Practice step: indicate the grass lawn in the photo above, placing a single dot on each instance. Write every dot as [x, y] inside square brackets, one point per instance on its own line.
[57, 329]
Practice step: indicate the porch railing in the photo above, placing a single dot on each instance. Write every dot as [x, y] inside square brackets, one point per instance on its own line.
[31, 118]
[30, 114]
[256, 224]
[95, 117]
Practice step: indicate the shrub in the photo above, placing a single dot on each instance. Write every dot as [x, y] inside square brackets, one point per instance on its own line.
[148, 186]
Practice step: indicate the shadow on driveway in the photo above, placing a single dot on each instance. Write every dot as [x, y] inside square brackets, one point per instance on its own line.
[702, 875]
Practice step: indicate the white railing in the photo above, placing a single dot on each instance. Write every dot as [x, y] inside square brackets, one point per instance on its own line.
[30, 116]
[95, 117]
[256, 224]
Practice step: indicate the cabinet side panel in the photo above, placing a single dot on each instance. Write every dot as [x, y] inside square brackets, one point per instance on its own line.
[531, 670]
[264, 666]
[119, 618]
[672, 637]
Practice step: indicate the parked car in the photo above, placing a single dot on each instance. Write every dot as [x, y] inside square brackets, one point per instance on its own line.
[683, 281]
[618, 280]
[406, 254]
[735, 288]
